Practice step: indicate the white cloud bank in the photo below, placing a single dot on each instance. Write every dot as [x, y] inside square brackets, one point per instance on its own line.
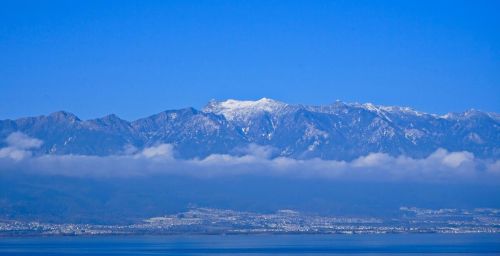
[439, 166]
[19, 145]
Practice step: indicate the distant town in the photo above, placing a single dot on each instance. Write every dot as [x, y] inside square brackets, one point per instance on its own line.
[219, 221]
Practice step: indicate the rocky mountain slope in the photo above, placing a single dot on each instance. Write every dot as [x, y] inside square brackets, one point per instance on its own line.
[340, 131]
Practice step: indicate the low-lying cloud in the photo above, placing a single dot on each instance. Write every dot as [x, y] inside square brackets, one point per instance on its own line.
[441, 165]
[18, 146]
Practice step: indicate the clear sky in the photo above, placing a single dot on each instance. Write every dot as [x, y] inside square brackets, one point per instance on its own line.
[136, 58]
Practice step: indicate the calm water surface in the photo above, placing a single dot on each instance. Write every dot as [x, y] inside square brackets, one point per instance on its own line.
[394, 244]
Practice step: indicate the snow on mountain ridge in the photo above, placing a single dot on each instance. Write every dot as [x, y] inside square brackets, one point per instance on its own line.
[340, 131]
[242, 110]
[381, 109]
[237, 109]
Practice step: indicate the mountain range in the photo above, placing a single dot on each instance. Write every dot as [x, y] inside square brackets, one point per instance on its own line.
[339, 131]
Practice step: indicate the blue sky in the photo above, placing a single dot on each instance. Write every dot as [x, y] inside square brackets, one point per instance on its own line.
[136, 58]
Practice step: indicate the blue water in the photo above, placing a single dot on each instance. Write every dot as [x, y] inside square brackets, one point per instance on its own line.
[394, 244]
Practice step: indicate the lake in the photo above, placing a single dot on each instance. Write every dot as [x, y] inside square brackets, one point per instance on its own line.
[394, 244]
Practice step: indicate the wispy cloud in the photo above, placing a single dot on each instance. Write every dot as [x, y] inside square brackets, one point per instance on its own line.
[18, 146]
[442, 165]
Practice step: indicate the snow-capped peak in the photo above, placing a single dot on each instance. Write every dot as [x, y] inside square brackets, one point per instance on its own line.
[381, 110]
[468, 114]
[234, 109]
